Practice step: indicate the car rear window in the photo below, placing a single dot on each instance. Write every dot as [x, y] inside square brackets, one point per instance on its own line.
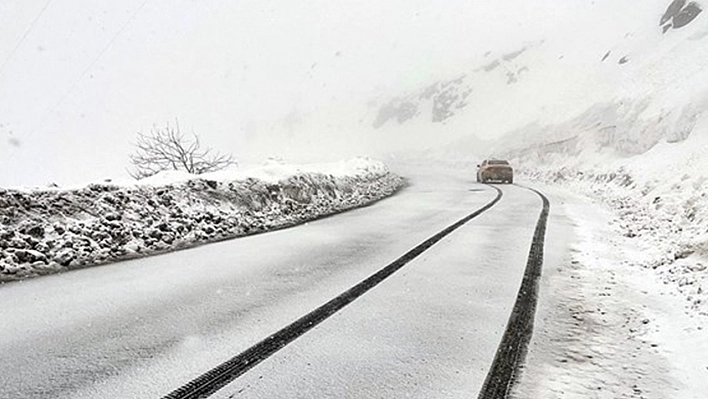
[498, 162]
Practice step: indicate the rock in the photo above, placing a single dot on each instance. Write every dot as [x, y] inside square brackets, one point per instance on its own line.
[31, 241]
[132, 247]
[673, 9]
[687, 15]
[168, 238]
[39, 265]
[163, 226]
[30, 256]
[7, 234]
[35, 230]
[65, 256]
[113, 216]
[42, 247]
[154, 233]
[678, 14]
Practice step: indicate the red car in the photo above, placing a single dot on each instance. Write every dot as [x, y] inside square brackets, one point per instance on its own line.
[495, 170]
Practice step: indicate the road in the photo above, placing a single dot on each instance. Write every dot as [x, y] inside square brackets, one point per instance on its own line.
[142, 328]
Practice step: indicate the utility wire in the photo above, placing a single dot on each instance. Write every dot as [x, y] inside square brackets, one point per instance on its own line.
[91, 65]
[24, 36]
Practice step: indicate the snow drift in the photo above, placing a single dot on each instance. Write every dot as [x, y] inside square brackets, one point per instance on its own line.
[48, 231]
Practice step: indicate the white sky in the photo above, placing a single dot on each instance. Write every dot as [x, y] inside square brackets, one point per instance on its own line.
[78, 78]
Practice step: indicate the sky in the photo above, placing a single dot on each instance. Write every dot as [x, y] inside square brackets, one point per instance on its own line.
[79, 78]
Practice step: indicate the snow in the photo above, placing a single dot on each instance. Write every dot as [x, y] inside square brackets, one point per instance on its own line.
[47, 231]
[623, 310]
[605, 327]
[274, 171]
[630, 310]
[632, 139]
[139, 329]
[430, 331]
[659, 197]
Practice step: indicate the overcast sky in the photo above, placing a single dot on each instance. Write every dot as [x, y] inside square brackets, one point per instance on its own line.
[78, 78]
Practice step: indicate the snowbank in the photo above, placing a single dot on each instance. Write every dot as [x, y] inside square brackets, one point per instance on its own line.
[660, 199]
[604, 329]
[54, 230]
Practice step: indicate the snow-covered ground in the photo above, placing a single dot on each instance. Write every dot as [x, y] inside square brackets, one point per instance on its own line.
[660, 199]
[627, 316]
[141, 328]
[53, 230]
[606, 327]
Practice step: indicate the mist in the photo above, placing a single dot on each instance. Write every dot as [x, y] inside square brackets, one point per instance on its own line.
[300, 81]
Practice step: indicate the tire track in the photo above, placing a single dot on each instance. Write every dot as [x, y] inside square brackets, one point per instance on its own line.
[218, 377]
[512, 349]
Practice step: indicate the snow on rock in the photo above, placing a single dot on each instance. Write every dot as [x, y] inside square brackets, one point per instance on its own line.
[53, 230]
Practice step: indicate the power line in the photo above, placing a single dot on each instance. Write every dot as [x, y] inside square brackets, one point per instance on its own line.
[91, 65]
[24, 36]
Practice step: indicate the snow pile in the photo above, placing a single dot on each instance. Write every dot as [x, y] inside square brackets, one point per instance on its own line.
[47, 231]
[660, 198]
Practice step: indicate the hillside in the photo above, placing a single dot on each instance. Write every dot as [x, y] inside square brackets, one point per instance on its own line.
[629, 80]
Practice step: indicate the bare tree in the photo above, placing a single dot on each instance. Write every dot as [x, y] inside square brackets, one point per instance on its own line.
[168, 149]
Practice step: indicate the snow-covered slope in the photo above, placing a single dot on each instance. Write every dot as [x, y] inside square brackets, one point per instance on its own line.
[606, 68]
[47, 231]
[642, 150]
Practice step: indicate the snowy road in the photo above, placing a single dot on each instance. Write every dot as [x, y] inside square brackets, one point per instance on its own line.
[145, 327]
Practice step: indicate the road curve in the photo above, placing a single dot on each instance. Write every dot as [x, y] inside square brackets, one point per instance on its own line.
[216, 378]
[142, 328]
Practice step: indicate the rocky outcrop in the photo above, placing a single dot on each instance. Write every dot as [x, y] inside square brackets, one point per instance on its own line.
[443, 98]
[679, 14]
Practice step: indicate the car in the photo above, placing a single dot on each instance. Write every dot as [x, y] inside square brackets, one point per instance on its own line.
[495, 170]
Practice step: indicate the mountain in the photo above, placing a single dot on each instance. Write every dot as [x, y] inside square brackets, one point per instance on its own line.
[624, 75]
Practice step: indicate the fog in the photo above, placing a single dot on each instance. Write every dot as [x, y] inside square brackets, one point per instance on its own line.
[290, 79]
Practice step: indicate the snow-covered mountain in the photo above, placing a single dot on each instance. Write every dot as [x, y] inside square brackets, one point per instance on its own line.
[627, 73]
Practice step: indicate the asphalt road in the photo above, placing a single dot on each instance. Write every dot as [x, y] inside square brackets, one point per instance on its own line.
[142, 328]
